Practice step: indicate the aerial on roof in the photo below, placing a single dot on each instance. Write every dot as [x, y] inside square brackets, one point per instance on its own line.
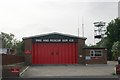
[54, 33]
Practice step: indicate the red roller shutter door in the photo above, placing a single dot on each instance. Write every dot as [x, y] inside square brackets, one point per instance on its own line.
[54, 53]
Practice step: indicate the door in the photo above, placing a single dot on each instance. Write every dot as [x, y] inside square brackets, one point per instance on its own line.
[54, 53]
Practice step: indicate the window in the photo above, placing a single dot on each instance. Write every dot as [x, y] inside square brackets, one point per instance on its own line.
[96, 53]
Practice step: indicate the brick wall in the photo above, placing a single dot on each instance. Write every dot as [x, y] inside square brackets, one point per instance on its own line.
[96, 60]
[11, 59]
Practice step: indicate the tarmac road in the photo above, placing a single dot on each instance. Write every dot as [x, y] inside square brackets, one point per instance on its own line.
[66, 78]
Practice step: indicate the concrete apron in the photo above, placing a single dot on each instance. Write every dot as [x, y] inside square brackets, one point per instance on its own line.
[68, 70]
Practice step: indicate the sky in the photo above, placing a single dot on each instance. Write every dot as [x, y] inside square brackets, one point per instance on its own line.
[26, 18]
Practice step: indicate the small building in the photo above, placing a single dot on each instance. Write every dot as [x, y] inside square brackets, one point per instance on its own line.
[3, 50]
[95, 55]
[58, 48]
[7, 51]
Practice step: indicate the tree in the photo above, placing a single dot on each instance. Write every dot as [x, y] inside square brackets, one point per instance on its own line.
[116, 50]
[113, 30]
[20, 48]
[113, 35]
[102, 43]
[9, 41]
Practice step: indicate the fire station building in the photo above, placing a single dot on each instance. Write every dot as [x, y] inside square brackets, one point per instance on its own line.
[58, 48]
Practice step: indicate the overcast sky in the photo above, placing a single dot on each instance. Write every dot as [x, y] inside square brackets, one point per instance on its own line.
[33, 17]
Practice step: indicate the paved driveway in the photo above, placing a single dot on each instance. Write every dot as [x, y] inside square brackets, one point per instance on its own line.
[71, 70]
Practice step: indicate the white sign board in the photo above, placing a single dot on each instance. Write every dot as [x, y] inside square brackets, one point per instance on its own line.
[87, 58]
[54, 40]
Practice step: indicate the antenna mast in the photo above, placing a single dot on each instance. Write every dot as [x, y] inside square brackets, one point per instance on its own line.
[78, 31]
[78, 27]
[82, 26]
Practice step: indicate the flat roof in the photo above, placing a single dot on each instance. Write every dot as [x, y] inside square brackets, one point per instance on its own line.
[94, 48]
